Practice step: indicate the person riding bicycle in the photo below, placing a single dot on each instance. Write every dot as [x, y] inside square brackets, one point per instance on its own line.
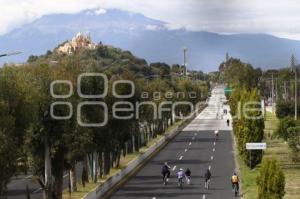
[235, 181]
[207, 177]
[180, 174]
[188, 175]
[166, 171]
[216, 134]
[228, 122]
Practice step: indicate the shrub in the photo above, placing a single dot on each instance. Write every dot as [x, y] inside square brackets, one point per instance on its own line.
[282, 127]
[271, 180]
[294, 142]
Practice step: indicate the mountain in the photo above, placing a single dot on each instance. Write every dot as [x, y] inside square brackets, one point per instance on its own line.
[147, 38]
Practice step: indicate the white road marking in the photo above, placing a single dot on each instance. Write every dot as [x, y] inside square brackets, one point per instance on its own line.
[203, 197]
[27, 177]
[212, 157]
[193, 138]
[174, 168]
[214, 149]
[214, 143]
[37, 190]
[190, 144]
[209, 167]
[180, 157]
[185, 150]
[154, 198]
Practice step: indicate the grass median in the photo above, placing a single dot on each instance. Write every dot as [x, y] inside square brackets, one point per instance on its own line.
[278, 149]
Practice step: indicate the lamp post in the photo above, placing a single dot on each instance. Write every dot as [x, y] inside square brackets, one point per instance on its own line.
[294, 69]
[9, 54]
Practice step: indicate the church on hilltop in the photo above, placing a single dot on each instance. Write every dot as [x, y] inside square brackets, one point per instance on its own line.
[80, 41]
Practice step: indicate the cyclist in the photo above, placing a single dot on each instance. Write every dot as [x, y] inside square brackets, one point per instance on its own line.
[188, 175]
[207, 177]
[165, 171]
[235, 181]
[216, 134]
[180, 176]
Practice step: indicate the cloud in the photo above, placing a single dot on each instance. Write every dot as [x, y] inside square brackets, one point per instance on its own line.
[100, 11]
[151, 27]
[277, 17]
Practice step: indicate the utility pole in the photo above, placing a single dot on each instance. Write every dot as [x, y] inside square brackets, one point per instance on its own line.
[285, 91]
[227, 57]
[294, 69]
[272, 92]
[185, 60]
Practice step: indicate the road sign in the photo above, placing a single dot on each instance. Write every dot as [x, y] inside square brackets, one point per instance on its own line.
[227, 90]
[256, 146]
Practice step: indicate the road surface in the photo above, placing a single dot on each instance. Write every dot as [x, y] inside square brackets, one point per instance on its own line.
[17, 186]
[193, 148]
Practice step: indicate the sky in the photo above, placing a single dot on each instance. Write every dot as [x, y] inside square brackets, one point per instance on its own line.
[276, 17]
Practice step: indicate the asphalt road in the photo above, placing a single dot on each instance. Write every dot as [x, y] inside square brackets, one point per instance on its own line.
[17, 186]
[193, 148]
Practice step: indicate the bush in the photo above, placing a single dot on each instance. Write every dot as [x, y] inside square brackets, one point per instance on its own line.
[271, 180]
[282, 127]
[294, 142]
[285, 109]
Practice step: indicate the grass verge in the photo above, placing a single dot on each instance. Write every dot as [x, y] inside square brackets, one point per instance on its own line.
[278, 149]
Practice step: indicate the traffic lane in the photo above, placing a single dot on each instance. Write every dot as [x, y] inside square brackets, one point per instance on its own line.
[222, 167]
[148, 181]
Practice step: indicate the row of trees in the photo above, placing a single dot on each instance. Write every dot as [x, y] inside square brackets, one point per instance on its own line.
[248, 123]
[248, 126]
[32, 140]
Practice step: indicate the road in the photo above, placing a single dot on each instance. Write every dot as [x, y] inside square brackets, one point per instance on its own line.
[17, 186]
[193, 148]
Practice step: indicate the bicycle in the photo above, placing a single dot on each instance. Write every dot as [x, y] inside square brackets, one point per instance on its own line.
[180, 183]
[207, 183]
[235, 189]
[166, 178]
[188, 179]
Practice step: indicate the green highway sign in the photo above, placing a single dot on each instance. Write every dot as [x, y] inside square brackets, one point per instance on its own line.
[227, 90]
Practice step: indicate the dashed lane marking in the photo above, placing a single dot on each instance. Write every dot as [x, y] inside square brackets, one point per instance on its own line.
[180, 157]
[212, 157]
[174, 168]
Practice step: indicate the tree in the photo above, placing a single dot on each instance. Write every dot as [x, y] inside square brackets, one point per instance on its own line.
[271, 180]
[250, 127]
[7, 154]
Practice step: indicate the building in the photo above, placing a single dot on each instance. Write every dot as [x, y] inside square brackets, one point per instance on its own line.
[80, 41]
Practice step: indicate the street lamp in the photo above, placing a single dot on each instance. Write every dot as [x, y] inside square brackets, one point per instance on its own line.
[294, 69]
[9, 54]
